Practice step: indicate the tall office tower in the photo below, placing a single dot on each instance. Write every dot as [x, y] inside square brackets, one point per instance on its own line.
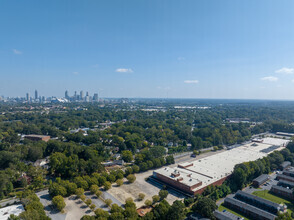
[95, 97]
[28, 97]
[87, 93]
[75, 96]
[36, 94]
[66, 94]
[81, 95]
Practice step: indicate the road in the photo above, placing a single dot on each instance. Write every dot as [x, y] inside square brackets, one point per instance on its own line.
[9, 201]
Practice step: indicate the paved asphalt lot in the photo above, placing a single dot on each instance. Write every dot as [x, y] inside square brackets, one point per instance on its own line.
[45, 199]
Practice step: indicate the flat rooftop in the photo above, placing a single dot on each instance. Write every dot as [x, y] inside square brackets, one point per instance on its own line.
[36, 135]
[218, 166]
[189, 178]
[13, 209]
[275, 141]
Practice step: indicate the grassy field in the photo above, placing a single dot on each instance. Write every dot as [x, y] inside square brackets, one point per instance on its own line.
[267, 195]
[221, 208]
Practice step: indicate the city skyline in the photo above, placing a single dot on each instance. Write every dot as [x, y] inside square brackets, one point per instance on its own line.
[148, 49]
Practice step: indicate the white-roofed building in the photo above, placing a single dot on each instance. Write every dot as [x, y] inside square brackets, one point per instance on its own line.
[217, 168]
[9, 210]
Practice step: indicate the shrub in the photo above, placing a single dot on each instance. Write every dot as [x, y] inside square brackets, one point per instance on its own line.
[119, 182]
[141, 196]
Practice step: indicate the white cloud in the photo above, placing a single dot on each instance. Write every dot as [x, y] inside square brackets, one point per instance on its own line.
[124, 70]
[270, 78]
[191, 81]
[181, 58]
[76, 73]
[15, 51]
[285, 70]
[292, 80]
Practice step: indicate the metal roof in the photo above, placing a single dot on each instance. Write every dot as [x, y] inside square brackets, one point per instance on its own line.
[250, 208]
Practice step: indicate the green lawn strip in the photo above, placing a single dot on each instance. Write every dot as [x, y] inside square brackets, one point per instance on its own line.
[265, 194]
[222, 207]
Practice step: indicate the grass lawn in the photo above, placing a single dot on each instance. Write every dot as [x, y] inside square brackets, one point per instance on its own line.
[267, 195]
[221, 208]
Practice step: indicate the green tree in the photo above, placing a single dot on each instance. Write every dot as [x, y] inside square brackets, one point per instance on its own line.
[83, 197]
[98, 193]
[163, 194]
[108, 202]
[205, 206]
[127, 156]
[176, 211]
[94, 189]
[116, 208]
[136, 169]
[55, 189]
[148, 202]
[88, 202]
[155, 198]
[92, 207]
[131, 178]
[79, 192]
[101, 214]
[107, 185]
[58, 202]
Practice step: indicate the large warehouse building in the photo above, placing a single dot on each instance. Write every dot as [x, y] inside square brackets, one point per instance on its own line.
[193, 177]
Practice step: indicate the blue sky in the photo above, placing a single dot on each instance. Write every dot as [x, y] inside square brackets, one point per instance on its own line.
[148, 48]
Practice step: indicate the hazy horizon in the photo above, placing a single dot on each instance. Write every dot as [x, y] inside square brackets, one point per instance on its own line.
[148, 49]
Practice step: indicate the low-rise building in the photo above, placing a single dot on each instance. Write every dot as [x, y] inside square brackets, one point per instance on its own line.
[9, 210]
[285, 165]
[36, 137]
[113, 163]
[285, 177]
[248, 210]
[260, 180]
[261, 203]
[282, 191]
[285, 183]
[225, 215]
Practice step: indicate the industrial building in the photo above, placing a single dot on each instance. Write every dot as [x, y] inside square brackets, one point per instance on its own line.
[260, 180]
[179, 178]
[215, 169]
